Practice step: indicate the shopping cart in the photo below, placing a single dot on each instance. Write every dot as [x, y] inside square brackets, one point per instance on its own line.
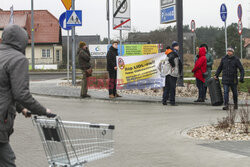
[73, 144]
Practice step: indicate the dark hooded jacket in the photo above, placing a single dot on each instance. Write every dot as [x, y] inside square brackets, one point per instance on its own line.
[14, 80]
[84, 58]
[111, 59]
[229, 67]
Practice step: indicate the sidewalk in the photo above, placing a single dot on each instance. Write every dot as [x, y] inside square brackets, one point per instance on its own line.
[51, 88]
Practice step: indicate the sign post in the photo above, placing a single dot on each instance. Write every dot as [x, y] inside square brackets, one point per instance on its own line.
[193, 30]
[223, 14]
[62, 22]
[121, 17]
[73, 18]
[240, 28]
[172, 11]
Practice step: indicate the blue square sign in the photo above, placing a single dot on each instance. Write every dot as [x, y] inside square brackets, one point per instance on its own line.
[168, 14]
[74, 18]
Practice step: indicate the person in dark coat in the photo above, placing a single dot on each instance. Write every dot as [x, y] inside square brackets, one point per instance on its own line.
[112, 69]
[229, 66]
[199, 69]
[172, 72]
[14, 88]
[84, 63]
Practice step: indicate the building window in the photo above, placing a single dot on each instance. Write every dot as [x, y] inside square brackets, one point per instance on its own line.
[48, 52]
[57, 55]
[45, 53]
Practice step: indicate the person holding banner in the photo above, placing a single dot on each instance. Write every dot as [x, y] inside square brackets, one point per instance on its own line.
[172, 72]
[112, 69]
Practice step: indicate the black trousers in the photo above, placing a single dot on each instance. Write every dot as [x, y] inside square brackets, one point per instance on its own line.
[169, 89]
[112, 82]
[201, 87]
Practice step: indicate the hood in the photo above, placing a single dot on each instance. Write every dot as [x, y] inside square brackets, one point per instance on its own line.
[16, 37]
[202, 52]
[168, 51]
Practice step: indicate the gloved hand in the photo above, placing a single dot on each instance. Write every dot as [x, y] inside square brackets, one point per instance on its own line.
[242, 80]
[49, 114]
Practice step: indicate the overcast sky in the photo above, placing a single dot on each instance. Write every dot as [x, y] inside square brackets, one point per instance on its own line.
[145, 14]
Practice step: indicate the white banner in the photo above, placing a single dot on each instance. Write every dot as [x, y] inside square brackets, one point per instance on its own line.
[98, 50]
[140, 72]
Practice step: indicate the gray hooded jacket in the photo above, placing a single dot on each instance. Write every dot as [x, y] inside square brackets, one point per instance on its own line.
[14, 80]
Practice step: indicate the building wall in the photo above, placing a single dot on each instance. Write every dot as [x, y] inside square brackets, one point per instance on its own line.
[52, 54]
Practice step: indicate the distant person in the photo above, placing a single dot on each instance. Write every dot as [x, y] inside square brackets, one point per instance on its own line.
[229, 66]
[210, 63]
[199, 71]
[14, 89]
[85, 65]
[172, 72]
[112, 69]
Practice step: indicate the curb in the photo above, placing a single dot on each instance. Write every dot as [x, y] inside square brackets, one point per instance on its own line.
[119, 100]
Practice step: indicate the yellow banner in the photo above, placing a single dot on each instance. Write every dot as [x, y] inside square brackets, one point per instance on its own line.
[138, 71]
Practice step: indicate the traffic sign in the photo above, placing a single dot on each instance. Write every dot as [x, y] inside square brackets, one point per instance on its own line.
[121, 15]
[62, 22]
[74, 18]
[223, 12]
[122, 24]
[165, 3]
[67, 4]
[240, 27]
[193, 26]
[121, 8]
[168, 14]
[239, 12]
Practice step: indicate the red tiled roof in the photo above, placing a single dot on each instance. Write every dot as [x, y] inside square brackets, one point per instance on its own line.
[46, 26]
[247, 42]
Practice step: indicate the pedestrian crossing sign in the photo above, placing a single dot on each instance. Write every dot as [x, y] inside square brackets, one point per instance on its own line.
[74, 18]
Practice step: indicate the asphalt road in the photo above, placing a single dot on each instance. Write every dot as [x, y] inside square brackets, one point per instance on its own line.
[146, 135]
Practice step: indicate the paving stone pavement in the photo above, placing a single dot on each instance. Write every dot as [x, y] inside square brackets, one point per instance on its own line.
[146, 135]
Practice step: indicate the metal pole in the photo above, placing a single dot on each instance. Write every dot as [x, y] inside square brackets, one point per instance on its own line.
[73, 50]
[32, 36]
[108, 18]
[179, 6]
[120, 42]
[194, 43]
[68, 55]
[226, 35]
[241, 53]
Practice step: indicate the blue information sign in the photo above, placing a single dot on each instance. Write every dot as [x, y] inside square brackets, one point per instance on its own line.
[168, 14]
[239, 12]
[62, 22]
[223, 12]
[74, 18]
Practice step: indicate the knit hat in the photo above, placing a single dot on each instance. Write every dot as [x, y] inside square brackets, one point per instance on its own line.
[82, 44]
[174, 44]
[230, 49]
